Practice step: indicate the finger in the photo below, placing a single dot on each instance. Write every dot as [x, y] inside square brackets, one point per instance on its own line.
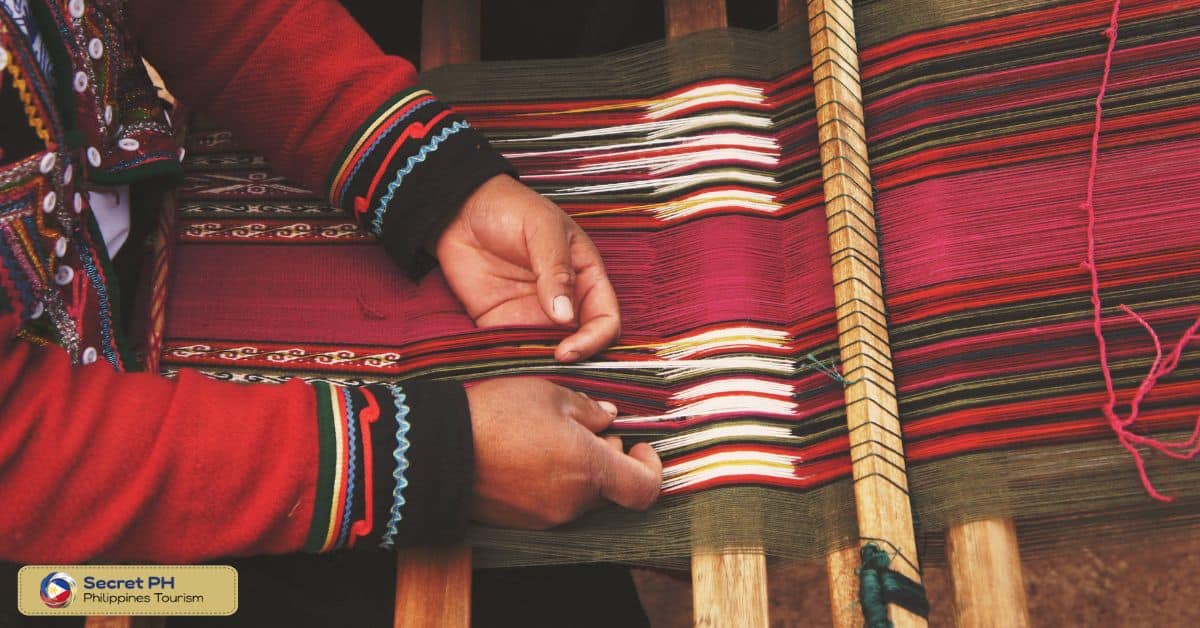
[600, 315]
[615, 443]
[549, 243]
[630, 480]
[590, 413]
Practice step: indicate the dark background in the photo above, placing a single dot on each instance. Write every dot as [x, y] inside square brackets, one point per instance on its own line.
[544, 29]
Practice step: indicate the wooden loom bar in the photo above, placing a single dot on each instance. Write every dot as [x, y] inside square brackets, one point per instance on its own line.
[985, 566]
[729, 584]
[872, 414]
[684, 17]
[433, 585]
[449, 32]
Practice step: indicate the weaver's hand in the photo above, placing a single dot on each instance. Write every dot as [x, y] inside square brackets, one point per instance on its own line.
[539, 462]
[514, 258]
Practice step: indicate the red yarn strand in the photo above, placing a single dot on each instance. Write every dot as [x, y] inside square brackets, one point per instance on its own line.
[1160, 368]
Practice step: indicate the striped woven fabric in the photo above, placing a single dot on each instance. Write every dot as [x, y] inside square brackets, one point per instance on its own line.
[695, 169]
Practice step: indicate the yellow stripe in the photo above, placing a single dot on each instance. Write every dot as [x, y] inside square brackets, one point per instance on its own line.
[374, 126]
[339, 476]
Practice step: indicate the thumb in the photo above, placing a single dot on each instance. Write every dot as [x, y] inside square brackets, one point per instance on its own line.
[630, 480]
[550, 259]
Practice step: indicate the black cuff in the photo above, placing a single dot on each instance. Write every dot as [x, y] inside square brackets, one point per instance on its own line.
[441, 464]
[407, 172]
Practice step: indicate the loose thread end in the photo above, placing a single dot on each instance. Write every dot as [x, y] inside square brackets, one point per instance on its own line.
[825, 369]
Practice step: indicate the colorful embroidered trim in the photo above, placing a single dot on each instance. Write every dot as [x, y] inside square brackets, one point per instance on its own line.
[332, 472]
[381, 209]
[351, 466]
[368, 134]
[400, 453]
[377, 130]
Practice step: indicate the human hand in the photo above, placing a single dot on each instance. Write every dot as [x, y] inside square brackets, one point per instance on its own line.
[512, 257]
[539, 462]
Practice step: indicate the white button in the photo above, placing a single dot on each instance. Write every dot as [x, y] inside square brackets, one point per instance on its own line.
[47, 163]
[81, 81]
[182, 153]
[108, 114]
[3, 58]
[128, 143]
[76, 8]
[49, 201]
[60, 246]
[95, 48]
[78, 202]
[68, 174]
[38, 310]
[64, 275]
[89, 356]
[94, 156]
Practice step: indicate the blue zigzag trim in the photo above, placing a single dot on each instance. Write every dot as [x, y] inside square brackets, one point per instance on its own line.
[377, 221]
[352, 443]
[106, 324]
[367, 153]
[400, 453]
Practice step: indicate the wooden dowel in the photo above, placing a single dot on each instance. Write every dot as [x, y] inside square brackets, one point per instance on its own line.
[841, 568]
[729, 584]
[684, 17]
[433, 587]
[872, 413]
[729, 588]
[449, 32]
[124, 622]
[985, 565]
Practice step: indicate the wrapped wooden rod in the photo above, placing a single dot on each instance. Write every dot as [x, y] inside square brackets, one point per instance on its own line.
[872, 414]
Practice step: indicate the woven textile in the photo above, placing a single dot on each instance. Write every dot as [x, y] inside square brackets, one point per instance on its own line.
[694, 167]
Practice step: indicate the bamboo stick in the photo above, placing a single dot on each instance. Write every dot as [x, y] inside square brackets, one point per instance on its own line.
[876, 447]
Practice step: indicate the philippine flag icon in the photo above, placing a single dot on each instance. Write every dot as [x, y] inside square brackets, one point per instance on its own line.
[58, 589]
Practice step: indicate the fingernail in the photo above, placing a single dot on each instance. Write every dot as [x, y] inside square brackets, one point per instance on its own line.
[608, 407]
[562, 308]
[570, 356]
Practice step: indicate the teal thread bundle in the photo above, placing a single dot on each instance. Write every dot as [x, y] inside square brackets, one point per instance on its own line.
[880, 586]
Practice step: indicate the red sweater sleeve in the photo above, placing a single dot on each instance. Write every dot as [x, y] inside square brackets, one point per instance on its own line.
[294, 78]
[304, 84]
[100, 464]
[96, 464]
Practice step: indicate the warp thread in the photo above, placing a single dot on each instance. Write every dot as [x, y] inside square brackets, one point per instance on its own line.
[879, 585]
[1185, 450]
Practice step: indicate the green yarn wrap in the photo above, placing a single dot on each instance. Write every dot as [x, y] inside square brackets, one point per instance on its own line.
[879, 586]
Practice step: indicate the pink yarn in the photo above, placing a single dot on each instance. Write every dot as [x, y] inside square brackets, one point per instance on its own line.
[1161, 367]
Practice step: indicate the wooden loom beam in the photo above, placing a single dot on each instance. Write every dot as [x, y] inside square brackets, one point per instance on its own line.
[872, 413]
[985, 566]
[433, 585]
[729, 584]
